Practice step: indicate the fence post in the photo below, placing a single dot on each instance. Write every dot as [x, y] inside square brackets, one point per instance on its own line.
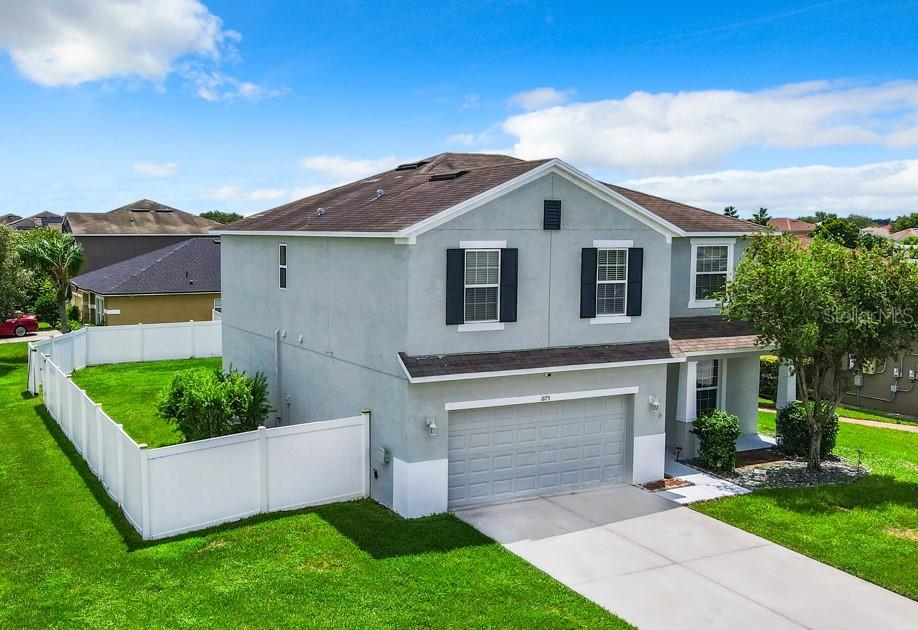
[365, 444]
[263, 468]
[57, 396]
[120, 466]
[193, 344]
[83, 430]
[140, 332]
[144, 492]
[100, 442]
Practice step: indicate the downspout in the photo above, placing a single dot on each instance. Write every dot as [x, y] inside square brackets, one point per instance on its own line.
[278, 399]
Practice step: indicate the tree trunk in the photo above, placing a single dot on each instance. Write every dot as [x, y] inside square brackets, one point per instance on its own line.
[814, 458]
[62, 314]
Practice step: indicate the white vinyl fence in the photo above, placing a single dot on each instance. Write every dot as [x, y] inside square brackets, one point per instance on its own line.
[174, 489]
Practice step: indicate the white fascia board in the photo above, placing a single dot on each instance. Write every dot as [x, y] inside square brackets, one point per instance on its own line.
[482, 244]
[193, 235]
[716, 353]
[712, 241]
[540, 398]
[290, 233]
[613, 244]
[529, 371]
[723, 234]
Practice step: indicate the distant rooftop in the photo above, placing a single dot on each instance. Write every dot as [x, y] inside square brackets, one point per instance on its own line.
[141, 217]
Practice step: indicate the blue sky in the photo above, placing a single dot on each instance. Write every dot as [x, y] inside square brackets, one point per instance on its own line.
[243, 106]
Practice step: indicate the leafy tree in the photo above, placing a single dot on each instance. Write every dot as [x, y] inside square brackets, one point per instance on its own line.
[60, 257]
[819, 217]
[860, 220]
[221, 217]
[13, 276]
[842, 231]
[911, 240]
[818, 306]
[730, 211]
[760, 216]
[905, 222]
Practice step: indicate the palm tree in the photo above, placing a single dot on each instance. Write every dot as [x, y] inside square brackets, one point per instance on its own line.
[760, 216]
[59, 257]
[730, 211]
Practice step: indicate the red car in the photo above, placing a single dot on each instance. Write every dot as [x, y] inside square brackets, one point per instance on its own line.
[18, 326]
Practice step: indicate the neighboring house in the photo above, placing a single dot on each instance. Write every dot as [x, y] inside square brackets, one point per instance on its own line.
[901, 235]
[794, 226]
[878, 230]
[515, 327]
[176, 283]
[888, 385]
[131, 230]
[40, 220]
[9, 218]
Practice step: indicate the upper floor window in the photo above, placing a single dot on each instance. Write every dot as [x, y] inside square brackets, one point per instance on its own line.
[611, 281]
[282, 265]
[707, 382]
[482, 285]
[712, 267]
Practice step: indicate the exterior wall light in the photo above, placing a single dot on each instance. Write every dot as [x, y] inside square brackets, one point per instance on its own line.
[654, 405]
[431, 427]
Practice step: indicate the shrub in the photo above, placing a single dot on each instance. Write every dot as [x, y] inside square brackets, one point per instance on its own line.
[46, 308]
[793, 431]
[768, 377]
[73, 313]
[208, 403]
[717, 432]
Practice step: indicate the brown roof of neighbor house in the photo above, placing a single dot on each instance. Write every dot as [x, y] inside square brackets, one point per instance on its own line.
[688, 218]
[794, 226]
[42, 219]
[901, 235]
[409, 196]
[687, 335]
[9, 218]
[880, 230]
[141, 217]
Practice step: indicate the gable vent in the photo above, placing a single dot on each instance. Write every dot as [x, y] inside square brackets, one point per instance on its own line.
[442, 177]
[410, 166]
[551, 218]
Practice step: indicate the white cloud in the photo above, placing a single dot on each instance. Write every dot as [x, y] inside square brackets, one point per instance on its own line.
[231, 193]
[69, 42]
[668, 132]
[156, 170]
[879, 189]
[341, 169]
[540, 98]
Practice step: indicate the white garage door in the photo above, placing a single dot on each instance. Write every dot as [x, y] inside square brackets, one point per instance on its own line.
[503, 453]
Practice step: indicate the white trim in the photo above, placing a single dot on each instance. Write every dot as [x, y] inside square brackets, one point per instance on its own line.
[288, 233]
[717, 353]
[722, 384]
[482, 244]
[613, 244]
[623, 282]
[466, 376]
[128, 295]
[730, 244]
[480, 326]
[193, 234]
[466, 286]
[112, 311]
[540, 398]
[611, 319]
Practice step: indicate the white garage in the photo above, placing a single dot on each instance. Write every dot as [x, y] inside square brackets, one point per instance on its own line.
[508, 452]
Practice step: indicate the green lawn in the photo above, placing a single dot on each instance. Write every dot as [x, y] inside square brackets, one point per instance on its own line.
[68, 558]
[851, 412]
[869, 528]
[128, 393]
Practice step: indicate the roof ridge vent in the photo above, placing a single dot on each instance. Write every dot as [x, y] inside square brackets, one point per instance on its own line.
[410, 166]
[442, 177]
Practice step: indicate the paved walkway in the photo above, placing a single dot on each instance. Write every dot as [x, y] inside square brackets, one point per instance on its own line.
[41, 334]
[704, 486]
[660, 565]
[910, 428]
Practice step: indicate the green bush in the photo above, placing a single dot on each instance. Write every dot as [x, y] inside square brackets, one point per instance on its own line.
[73, 313]
[46, 308]
[793, 432]
[768, 377]
[717, 432]
[208, 403]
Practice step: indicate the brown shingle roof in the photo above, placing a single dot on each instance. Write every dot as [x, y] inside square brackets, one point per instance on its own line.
[688, 218]
[141, 217]
[795, 226]
[687, 335]
[409, 197]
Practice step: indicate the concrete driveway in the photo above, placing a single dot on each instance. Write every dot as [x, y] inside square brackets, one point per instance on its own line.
[661, 565]
[41, 334]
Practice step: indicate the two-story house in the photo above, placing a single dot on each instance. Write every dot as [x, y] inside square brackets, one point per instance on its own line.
[516, 328]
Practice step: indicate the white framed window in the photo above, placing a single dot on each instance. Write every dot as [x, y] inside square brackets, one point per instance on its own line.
[282, 265]
[218, 305]
[482, 285]
[711, 269]
[100, 310]
[611, 282]
[707, 386]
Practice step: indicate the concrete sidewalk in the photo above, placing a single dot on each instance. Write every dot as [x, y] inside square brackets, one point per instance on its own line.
[41, 334]
[660, 565]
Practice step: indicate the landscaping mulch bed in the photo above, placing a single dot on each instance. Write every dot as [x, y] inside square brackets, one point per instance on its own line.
[769, 468]
[669, 483]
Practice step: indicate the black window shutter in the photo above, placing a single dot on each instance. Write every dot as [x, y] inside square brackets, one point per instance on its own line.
[508, 274]
[588, 282]
[455, 286]
[635, 280]
[551, 218]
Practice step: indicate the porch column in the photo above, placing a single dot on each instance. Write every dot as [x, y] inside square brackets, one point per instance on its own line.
[787, 386]
[686, 412]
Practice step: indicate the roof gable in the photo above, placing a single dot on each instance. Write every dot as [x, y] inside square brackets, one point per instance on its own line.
[141, 217]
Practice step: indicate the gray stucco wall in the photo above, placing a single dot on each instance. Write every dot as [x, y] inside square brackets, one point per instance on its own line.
[549, 273]
[681, 276]
[743, 390]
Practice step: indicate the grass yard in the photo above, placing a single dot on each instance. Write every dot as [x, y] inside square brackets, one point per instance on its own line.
[869, 528]
[851, 412]
[69, 559]
[128, 394]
